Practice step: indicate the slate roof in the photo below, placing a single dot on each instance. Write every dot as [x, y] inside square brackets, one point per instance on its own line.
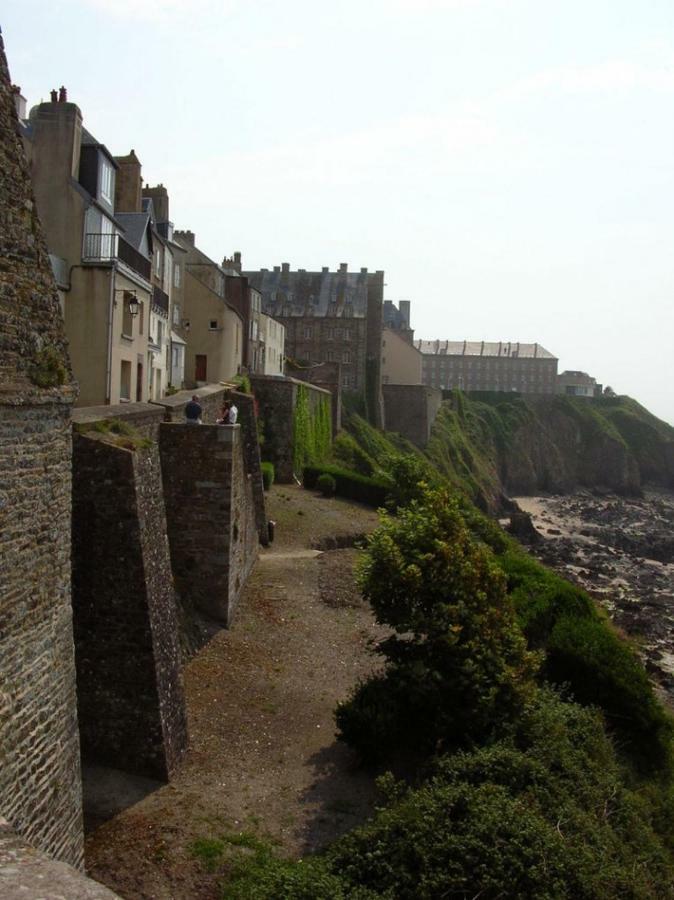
[508, 349]
[134, 225]
[302, 293]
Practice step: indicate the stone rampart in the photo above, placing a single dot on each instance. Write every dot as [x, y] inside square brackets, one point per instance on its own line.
[130, 694]
[144, 417]
[27, 873]
[40, 782]
[277, 397]
[210, 512]
[410, 410]
[326, 375]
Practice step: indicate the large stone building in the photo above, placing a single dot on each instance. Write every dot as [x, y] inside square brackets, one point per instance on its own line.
[488, 366]
[330, 317]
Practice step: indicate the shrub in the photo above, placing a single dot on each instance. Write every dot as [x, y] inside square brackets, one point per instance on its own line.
[603, 670]
[242, 383]
[456, 662]
[267, 474]
[49, 368]
[326, 484]
[542, 813]
[372, 491]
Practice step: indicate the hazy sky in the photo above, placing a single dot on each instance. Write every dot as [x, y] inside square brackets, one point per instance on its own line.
[508, 163]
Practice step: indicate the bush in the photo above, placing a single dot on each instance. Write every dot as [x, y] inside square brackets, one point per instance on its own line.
[326, 484]
[542, 813]
[372, 491]
[603, 670]
[267, 474]
[456, 663]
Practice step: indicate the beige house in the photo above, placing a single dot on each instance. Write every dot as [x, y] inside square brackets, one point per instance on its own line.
[274, 339]
[401, 362]
[103, 278]
[213, 330]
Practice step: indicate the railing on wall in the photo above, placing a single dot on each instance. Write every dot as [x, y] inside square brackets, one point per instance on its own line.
[108, 247]
[160, 299]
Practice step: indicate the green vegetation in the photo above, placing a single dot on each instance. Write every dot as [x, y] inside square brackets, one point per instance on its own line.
[242, 383]
[456, 664]
[49, 368]
[267, 474]
[312, 430]
[539, 759]
[115, 431]
[326, 484]
[373, 491]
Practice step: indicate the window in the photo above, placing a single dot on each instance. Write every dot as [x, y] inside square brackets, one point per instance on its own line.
[331, 334]
[213, 325]
[307, 333]
[347, 334]
[346, 357]
[125, 381]
[176, 275]
[107, 181]
[330, 355]
[157, 264]
[346, 380]
[160, 332]
[141, 317]
[127, 318]
[176, 314]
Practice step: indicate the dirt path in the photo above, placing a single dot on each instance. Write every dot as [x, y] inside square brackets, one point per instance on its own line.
[260, 698]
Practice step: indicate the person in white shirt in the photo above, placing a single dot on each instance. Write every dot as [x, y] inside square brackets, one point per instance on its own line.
[233, 413]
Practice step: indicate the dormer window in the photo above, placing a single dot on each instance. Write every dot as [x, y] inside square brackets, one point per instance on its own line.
[107, 181]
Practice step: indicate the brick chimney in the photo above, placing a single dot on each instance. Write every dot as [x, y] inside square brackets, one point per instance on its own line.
[128, 184]
[160, 201]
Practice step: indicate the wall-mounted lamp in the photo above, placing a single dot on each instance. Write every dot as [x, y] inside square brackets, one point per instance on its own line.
[186, 326]
[131, 299]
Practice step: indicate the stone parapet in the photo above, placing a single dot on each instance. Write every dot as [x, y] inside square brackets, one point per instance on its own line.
[130, 692]
[210, 511]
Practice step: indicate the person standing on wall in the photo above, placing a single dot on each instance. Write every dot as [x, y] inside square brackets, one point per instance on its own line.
[193, 411]
[233, 414]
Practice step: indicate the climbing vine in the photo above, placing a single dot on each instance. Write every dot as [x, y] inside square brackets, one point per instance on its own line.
[312, 430]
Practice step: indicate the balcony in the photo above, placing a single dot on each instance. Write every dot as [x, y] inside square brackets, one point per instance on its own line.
[160, 300]
[111, 247]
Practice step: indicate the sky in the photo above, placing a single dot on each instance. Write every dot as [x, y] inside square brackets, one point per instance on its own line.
[509, 164]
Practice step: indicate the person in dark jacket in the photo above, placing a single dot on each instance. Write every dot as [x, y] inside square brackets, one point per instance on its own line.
[193, 411]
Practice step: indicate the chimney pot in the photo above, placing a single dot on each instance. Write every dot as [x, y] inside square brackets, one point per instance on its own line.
[54, 95]
[63, 95]
[343, 267]
[285, 267]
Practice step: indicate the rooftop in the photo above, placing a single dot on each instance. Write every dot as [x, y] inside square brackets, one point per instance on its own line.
[510, 349]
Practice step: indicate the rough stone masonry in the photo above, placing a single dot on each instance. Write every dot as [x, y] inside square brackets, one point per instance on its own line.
[40, 784]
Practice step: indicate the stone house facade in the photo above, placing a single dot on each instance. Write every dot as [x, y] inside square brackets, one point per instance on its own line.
[488, 366]
[105, 279]
[214, 330]
[401, 362]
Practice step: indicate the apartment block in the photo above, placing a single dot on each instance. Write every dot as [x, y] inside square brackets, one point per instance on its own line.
[488, 366]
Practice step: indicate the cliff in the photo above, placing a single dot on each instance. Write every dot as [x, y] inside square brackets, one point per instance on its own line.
[497, 443]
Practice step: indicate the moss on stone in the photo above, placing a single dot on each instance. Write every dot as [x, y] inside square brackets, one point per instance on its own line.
[48, 369]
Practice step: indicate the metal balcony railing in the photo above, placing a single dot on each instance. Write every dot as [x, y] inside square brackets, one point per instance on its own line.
[108, 247]
[160, 300]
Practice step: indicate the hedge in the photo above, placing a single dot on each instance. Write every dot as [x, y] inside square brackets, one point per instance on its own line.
[267, 474]
[372, 491]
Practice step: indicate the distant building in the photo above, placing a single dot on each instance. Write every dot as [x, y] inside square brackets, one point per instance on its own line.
[401, 362]
[398, 319]
[330, 317]
[578, 384]
[488, 366]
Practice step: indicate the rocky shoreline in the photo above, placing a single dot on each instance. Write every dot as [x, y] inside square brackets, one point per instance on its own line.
[621, 550]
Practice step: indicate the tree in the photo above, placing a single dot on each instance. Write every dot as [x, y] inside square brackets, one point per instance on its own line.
[457, 663]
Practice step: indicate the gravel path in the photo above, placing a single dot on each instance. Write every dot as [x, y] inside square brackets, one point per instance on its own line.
[260, 697]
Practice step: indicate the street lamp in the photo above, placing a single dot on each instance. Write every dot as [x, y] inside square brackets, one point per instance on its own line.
[132, 300]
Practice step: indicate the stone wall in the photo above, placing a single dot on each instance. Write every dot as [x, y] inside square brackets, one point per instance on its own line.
[27, 873]
[40, 783]
[144, 417]
[327, 376]
[130, 694]
[410, 410]
[210, 511]
[277, 397]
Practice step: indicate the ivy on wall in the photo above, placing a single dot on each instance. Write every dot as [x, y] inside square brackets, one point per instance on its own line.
[312, 430]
